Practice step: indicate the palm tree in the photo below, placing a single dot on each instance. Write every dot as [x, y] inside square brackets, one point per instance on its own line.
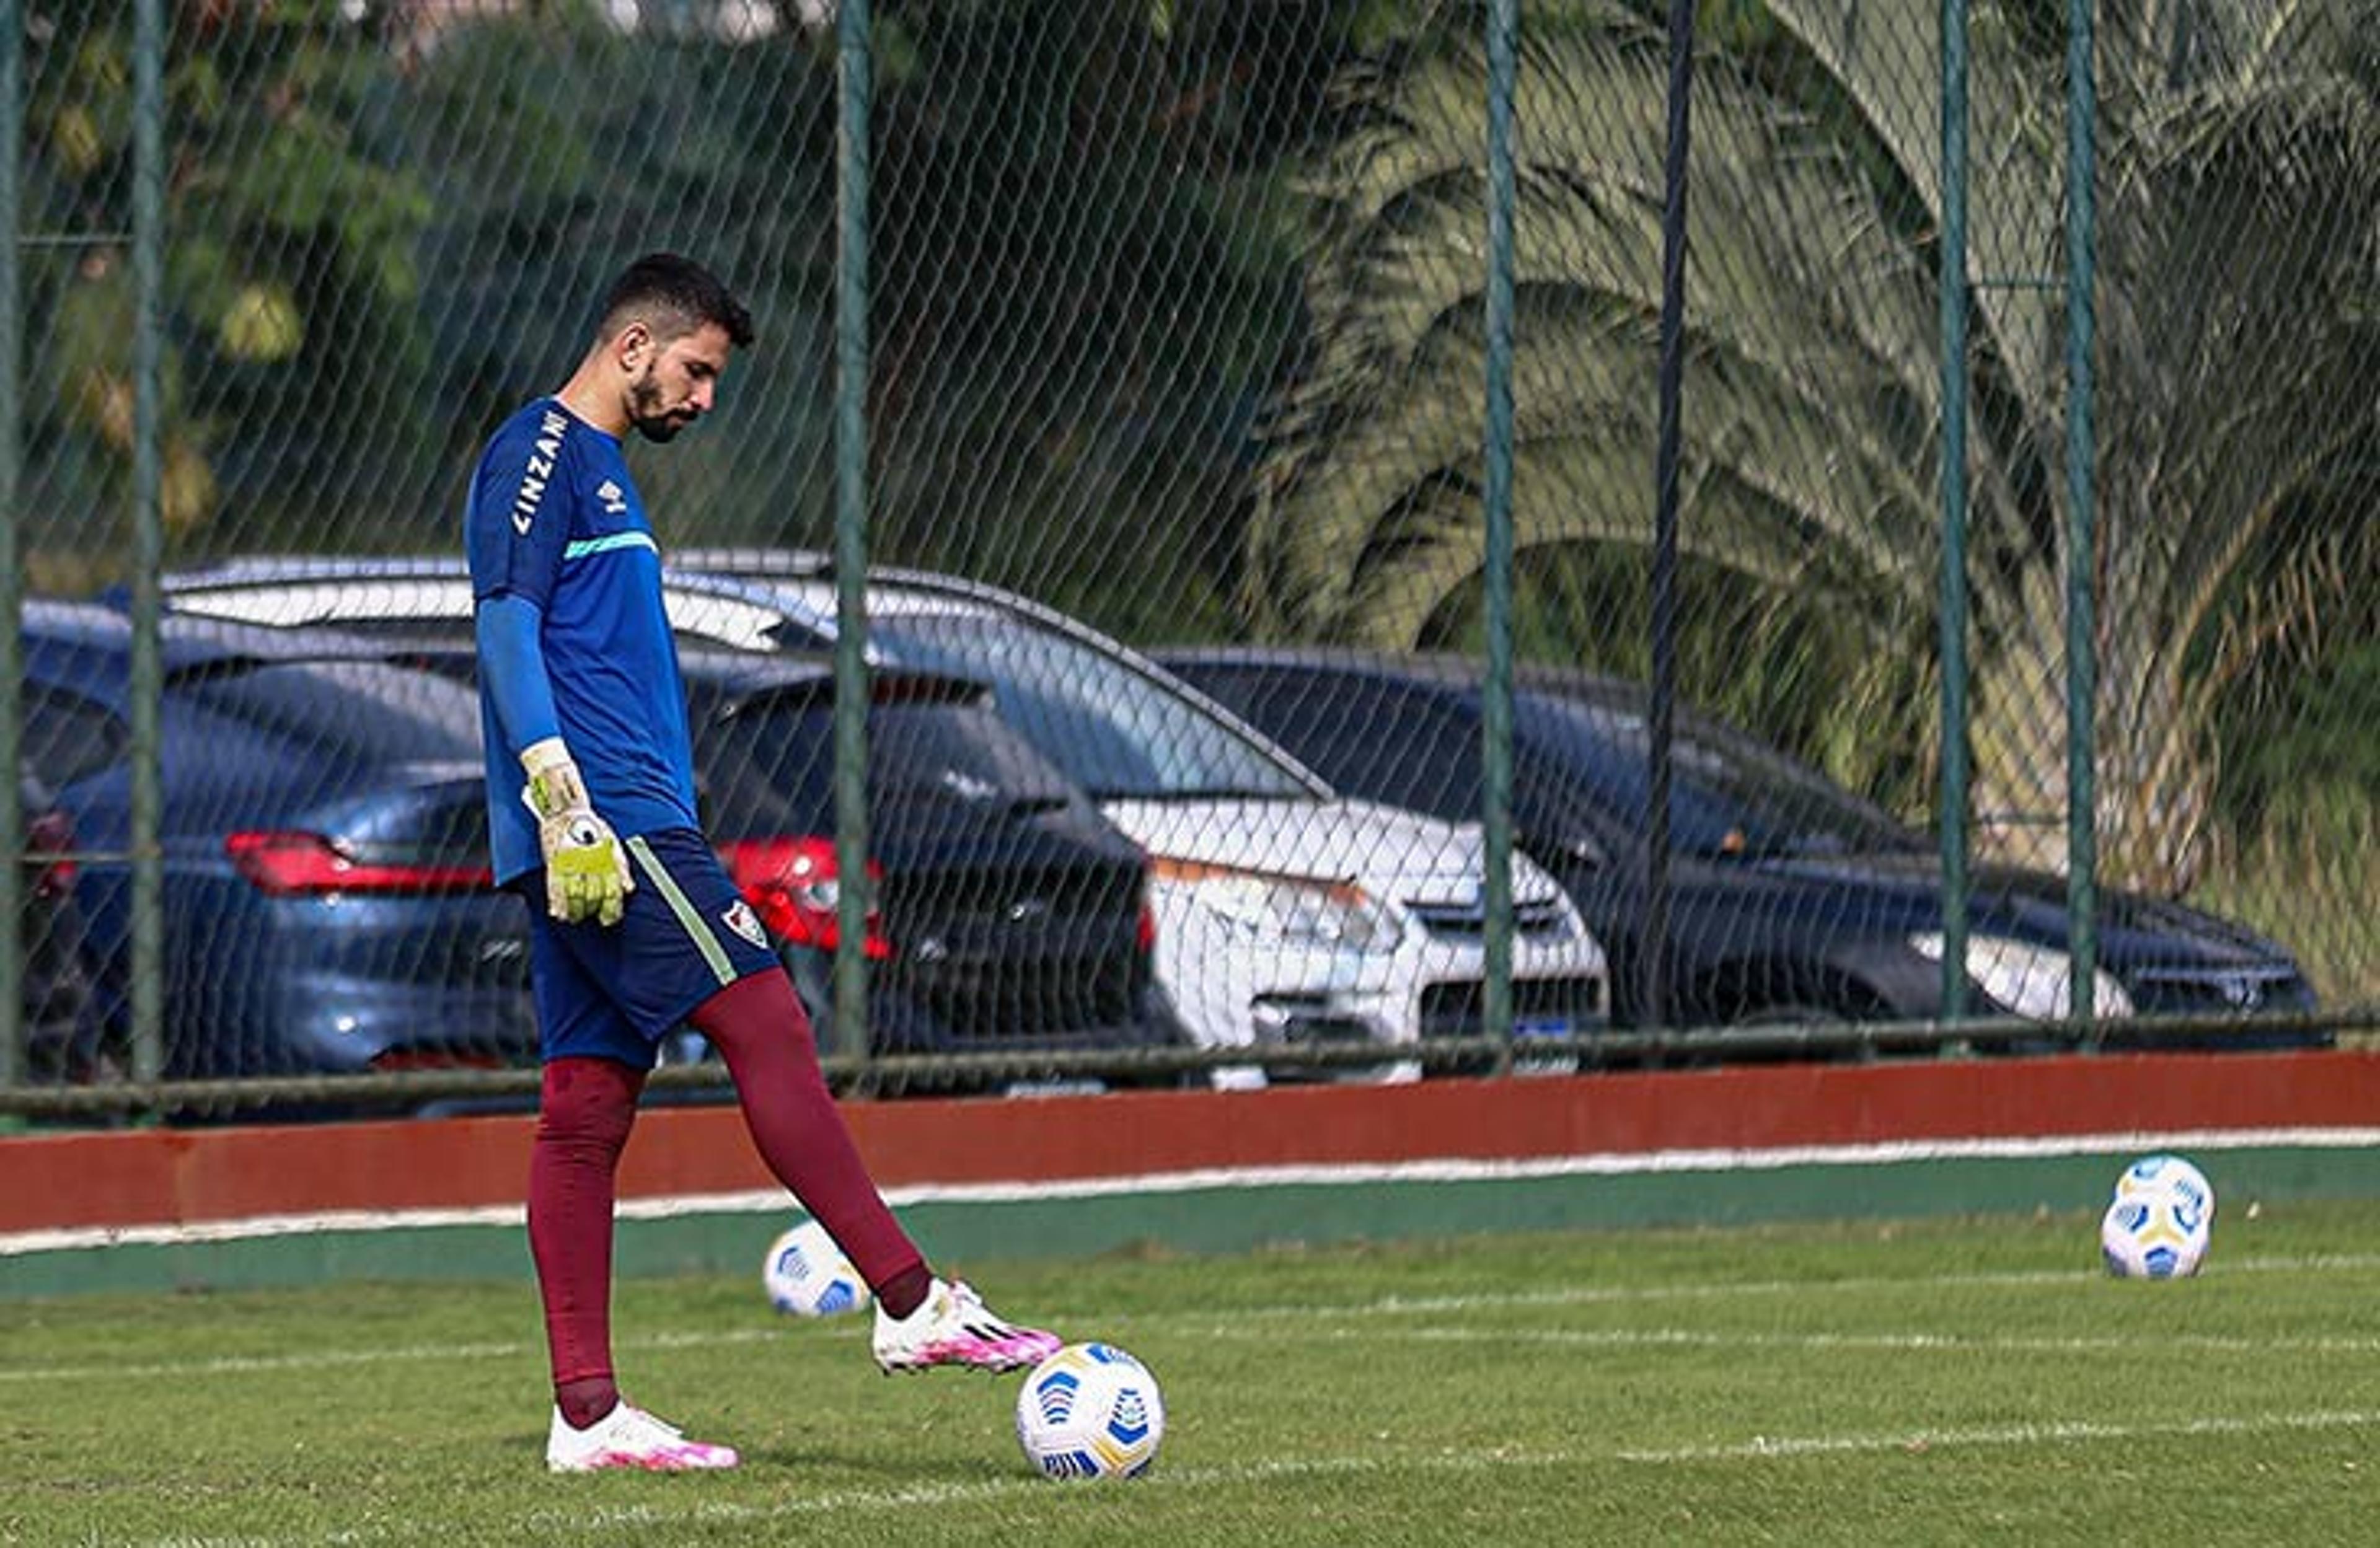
[2240, 157]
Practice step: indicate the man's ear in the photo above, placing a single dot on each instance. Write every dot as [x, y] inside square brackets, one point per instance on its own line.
[632, 345]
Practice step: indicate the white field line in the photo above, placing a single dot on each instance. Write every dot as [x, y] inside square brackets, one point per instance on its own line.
[609, 1520]
[2040, 1433]
[220, 1367]
[1367, 1321]
[775, 1202]
[1373, 1335]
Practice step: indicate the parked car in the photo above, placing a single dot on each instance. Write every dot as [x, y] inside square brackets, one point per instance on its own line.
[60, 1028]
[327, 897]
[1791, 900]
[1011, 917]
[1286, 914]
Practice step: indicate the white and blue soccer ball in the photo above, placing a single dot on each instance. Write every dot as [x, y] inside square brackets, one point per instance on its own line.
[807, 1274]
[2160, 1222]
[1090, 1411]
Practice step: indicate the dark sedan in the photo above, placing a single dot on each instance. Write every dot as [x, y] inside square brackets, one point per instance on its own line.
[1791, 900]
[1012, 918]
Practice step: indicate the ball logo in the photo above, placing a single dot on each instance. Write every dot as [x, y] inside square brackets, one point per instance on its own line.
[1128, 1421]
[1056, 1395]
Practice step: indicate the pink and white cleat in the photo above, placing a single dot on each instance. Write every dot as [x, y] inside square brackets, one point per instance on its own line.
[952, 1326]
[629, 1437]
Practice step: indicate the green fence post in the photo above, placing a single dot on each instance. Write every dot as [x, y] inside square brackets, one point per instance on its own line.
[1954, 301]
[148, 531]
[1496, 705]
[855, 897]
[2082, 629]
[12, 354]
[1669, 390]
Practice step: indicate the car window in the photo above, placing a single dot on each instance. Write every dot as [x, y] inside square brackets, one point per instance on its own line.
[1119, 735]
[1433, 762]
[382, 713]
[1342, 727]
[1726, 797]
[770, 769]
[68, 736]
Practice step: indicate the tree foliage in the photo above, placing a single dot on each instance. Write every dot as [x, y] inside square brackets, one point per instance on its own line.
[2234, 371]
[290, 273]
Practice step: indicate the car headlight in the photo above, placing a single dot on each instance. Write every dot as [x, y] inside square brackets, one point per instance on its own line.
[1298, 911]
[2037, 982]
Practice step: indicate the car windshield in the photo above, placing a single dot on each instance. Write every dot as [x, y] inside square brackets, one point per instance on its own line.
[1117, 733]
[1726, 797]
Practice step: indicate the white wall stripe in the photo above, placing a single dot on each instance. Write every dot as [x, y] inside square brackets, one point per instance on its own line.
[1609, 1163]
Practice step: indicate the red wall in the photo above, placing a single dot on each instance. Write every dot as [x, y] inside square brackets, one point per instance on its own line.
[179, 1176]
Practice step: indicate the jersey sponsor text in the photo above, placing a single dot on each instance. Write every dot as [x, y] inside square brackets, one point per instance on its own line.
[540, 472]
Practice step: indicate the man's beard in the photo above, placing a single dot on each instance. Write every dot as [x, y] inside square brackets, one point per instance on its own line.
[644, 412]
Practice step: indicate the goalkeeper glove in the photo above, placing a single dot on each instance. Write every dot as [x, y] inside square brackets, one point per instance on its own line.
[586, 870]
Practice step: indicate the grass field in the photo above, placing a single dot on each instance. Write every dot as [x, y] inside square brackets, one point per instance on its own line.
[1942, 1383]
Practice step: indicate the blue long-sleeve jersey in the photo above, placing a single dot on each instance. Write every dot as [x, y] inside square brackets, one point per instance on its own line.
[555, 523]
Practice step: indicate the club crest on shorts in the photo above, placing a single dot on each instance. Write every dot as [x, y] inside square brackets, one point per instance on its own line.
[740, 918]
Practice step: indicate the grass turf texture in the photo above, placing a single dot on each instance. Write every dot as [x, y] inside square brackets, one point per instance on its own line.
[1969, 1383]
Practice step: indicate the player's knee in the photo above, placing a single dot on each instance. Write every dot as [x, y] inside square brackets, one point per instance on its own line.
[588, 1102]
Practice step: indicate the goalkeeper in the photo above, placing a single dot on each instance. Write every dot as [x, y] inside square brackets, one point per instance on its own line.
[635, 927]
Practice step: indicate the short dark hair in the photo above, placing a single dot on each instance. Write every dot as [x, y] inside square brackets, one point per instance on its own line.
[673, 296]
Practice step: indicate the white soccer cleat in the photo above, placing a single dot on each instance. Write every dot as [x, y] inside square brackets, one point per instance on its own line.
[952, 1326]
[629, 1437]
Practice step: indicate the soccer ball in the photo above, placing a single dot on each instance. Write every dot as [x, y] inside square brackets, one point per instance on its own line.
[2160, 1222]
[807, 1274]
[1090, 1411]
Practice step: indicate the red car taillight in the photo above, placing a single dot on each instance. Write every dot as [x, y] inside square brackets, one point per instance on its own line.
[284, 863]
[793, 884]
[49, 838]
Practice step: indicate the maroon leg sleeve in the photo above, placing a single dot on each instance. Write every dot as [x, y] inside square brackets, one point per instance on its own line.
[759, 1028]
[584, 1114]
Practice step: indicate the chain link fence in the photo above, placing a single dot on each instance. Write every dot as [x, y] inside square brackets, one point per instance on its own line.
[1182, 324]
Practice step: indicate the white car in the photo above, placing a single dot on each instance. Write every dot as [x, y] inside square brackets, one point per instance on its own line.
[1287, 916]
